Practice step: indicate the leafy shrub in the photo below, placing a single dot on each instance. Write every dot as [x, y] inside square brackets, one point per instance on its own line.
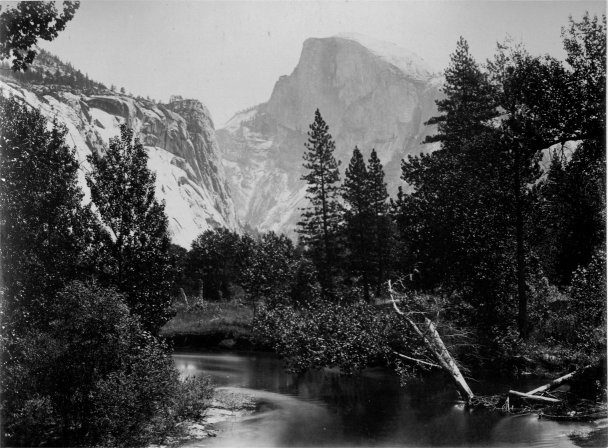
[193, 397]
[588, 305]
[33, 421]
[305, 287]
[576, 321]
[350, 337]
[270, 269]
[92, 377]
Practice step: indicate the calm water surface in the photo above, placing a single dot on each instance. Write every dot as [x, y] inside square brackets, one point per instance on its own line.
[324, 408]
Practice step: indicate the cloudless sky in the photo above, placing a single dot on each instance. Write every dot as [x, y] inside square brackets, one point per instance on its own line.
[229, 54]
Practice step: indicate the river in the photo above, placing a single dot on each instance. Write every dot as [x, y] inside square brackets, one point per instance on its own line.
[324, 408]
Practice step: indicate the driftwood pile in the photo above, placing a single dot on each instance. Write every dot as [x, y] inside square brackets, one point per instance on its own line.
[542, 400]
[555, 405]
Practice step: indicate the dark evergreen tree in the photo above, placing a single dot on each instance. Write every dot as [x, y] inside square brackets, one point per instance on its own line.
[320, 221]
[136, 240]
[382, 248]
[437, 183]
[456, 221]
[358, 217]
[469, 105]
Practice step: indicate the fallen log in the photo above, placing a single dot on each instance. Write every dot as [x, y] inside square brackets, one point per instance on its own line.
[433, 342]
[537, 398]
[450, 365]
[557, 382]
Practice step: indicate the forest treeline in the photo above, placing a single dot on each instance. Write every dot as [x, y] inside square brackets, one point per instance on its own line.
[500, 231]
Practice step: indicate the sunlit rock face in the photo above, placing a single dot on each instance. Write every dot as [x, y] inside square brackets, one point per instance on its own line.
[371, 94]
[179, 138]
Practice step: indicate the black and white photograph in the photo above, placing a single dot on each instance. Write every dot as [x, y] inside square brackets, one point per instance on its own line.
[303, 223]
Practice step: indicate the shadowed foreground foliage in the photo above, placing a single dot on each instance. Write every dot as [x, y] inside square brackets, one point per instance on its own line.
[79, 366]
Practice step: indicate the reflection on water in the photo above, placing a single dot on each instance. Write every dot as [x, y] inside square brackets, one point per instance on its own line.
[324, 408]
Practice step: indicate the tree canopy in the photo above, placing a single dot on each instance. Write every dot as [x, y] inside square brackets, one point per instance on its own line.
[22, 25]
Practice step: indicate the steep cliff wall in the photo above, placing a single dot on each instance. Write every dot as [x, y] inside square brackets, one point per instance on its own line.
[371, 94]
[179, 138]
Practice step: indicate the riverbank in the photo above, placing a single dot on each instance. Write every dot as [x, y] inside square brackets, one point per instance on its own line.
[225, 325]
[225, 406]
[323, 407]
[206, 325]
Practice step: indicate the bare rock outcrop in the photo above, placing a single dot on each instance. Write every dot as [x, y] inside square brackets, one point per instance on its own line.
[179, 138]
[372, 95]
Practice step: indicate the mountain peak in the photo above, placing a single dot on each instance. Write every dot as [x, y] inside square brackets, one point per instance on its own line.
[406, 61]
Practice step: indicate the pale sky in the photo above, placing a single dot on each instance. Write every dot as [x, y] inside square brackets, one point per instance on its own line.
[229, 54]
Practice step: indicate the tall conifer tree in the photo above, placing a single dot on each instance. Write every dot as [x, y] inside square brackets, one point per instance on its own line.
[381, 229]
[320, 221]
[469, 104]
[358, 218]
[459, 209]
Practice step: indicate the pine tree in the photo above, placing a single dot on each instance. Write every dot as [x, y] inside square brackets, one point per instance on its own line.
[469, 104]
[382, 230]
[358, 219]
[320, 221]
[136, 242]
[457, 216]
[437, 178]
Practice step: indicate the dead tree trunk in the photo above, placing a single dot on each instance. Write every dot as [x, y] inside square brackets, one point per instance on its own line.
[529, 397]
[431, 338]
[557, 382]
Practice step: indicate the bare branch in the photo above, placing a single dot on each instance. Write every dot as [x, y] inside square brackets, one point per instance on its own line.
[390, 292]
[420, 361]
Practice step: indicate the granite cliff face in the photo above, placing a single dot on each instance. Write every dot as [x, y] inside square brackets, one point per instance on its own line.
[371, 94]
[179, 138]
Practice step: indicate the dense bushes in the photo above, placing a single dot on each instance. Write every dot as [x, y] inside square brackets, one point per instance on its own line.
[93, 376]
[224, 265]
[325, 334]
[578, 320]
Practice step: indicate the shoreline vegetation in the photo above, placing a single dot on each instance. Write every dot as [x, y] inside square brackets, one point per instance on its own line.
[229, 326]
[223, 324]
[225, 406]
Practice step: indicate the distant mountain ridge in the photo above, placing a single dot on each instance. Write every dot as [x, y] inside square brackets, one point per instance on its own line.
[248, 174]
[372, 94]
[179, 138]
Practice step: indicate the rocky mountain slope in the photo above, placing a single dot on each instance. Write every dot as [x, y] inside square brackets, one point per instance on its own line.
[179, 138]
[372, 94]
